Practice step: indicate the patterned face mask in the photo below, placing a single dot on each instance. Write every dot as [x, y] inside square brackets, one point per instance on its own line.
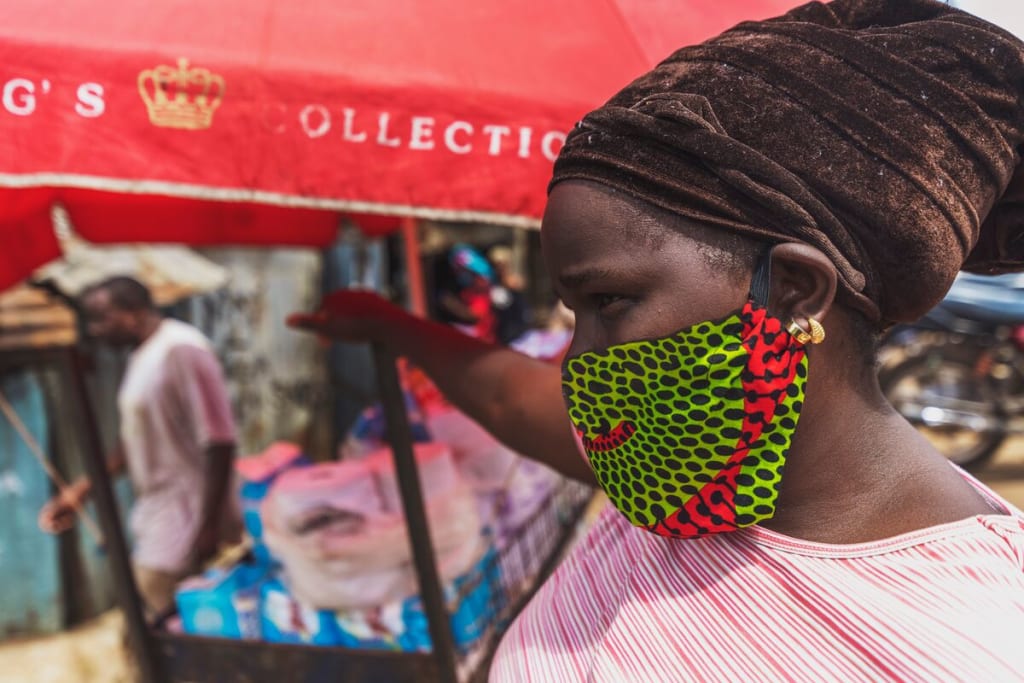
[688, 434]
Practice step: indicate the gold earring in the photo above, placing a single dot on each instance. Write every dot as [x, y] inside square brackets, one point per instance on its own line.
[817, 331]
[799, 334]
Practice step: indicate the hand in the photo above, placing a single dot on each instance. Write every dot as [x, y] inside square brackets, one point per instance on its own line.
[207, 544]
[350, 315]
[58, 515]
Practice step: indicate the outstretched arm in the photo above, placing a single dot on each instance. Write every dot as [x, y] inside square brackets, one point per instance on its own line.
[58, 515]
[516, 398]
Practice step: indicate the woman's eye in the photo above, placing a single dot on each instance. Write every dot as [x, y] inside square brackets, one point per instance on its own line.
[609, 303]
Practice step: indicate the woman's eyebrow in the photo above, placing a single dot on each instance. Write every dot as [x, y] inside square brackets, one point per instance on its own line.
[575, 278]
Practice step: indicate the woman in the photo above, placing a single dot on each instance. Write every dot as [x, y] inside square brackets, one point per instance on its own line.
[732, 230]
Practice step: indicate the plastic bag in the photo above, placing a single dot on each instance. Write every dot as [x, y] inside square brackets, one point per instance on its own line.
[360, 563]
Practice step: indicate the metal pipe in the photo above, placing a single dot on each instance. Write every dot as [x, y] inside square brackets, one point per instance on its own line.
[413, 267]
[142, 644]
[400, 437]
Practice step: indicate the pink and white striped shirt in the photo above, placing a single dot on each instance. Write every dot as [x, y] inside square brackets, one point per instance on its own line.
[939, 604]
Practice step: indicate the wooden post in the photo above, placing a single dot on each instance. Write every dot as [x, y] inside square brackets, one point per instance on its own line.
[414, 267]
[142, 644]
[431, 591]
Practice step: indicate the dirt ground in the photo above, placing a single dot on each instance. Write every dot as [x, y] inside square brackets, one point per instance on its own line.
[93, 653]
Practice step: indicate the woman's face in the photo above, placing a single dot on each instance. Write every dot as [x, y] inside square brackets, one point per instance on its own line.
[624, 274]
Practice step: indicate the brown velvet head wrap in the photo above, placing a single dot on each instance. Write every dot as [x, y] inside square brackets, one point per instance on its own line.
[884, 132]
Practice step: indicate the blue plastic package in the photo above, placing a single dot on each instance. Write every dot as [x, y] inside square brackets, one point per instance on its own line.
[370, 426]
[223, 603]
[399, 626]
[403, 625]
[284, 620]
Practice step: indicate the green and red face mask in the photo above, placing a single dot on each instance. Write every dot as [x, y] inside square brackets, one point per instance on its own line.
[688, 434]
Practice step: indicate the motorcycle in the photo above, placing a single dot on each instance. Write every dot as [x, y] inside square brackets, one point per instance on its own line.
[958, 373]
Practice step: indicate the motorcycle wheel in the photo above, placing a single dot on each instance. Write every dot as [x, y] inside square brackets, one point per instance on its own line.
[933, 379]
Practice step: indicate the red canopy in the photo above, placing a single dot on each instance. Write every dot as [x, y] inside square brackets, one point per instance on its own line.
[210, 122]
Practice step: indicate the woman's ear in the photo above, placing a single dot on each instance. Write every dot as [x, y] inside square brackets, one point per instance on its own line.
[803, 283]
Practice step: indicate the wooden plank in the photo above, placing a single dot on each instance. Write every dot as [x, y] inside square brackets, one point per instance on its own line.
[13, 317]
[25, 296]
[37, 339]
[31, 319]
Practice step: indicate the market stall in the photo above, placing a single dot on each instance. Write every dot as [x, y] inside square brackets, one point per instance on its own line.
[56, 582]
[258, 123]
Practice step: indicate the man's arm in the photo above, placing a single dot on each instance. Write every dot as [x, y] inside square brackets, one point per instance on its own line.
[220, 458]
[453, 306]
[58, 515]
[206, 408]
[516, 398]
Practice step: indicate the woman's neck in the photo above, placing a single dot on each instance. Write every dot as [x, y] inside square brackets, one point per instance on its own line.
[857, 471]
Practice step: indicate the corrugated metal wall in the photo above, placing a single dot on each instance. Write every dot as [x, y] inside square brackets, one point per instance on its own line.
[88, 587]
[31, 592]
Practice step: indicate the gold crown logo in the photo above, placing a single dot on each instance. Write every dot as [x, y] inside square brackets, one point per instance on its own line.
[182, 97]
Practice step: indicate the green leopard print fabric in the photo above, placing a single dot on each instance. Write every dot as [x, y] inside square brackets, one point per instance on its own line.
[688, 434]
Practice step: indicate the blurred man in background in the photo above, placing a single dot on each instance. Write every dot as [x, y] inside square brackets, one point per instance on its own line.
[464, 295]
[177, 440]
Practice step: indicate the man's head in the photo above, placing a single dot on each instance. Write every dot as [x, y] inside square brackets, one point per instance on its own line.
[501, 257]
[118, 311]
[472, 270]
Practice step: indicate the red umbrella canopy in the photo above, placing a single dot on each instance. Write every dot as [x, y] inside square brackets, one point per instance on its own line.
[139, 116]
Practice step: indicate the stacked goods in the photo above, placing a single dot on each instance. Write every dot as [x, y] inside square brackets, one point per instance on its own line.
[257, 474]
[509, 488]
[396, 625]
[223, 602]
[340, 532]
[342, 572]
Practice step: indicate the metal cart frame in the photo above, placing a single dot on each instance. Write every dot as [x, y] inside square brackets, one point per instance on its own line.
[162, 657]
